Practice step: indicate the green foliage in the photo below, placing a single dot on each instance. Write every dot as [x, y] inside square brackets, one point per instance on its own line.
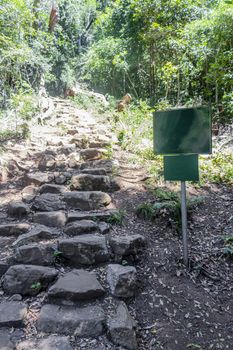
[217, 168]
[228, 246]
[36, 286]
[116, 218]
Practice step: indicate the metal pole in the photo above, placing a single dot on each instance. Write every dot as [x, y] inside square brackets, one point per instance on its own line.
[184, 223]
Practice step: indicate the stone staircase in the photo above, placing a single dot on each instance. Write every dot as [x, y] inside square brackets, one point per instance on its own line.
[64, 281]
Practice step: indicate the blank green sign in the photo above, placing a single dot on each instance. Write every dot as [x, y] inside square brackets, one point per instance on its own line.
[181, 168]
[180, 131]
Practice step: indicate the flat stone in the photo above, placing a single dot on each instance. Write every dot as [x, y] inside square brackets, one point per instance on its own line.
[18, 209]
[13, 229]
[97, 171]
[12, 314]
[122, 328]
[51, 219]
[5, 340]
[51, 188]
[27, 279]
[29, 193]
[80, 227]
[36, 234]
[35, 254]
[37, 178]
[91, 154]
[88, 182]
[84, 250]
[48, 202]
[122, 280]
[69, 320]
[53, 342]
[89, 200]
[126, 245]
[93, 215]
[78, 285]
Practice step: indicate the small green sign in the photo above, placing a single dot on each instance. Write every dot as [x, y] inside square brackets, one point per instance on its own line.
[181, 168]
[183, 131]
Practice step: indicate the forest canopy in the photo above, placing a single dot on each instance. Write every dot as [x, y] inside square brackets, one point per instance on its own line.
[176, 52]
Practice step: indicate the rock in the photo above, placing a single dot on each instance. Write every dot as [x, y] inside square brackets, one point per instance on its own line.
[100, 144]
[91, 154]
[80, 227]
[47, 162]
[37, 179]
[89, 200]
[104, 227]
[126, 245]
[35, 254]
[51, 219]
[48, 202]
[82, 322]
[18, 209]
[13, 229]
[97, 171]
[74, 160]
[53, 342]
[67, 149]
[84, 250]
[87, 182]
[60, 179]
[5, 340]
[4, 266]
[78, 285]
[29, 193]
[12, 314]
[93, 215]
[108, 165]
[122, 328]
[36, 234]
[122, 280]
[51, 188]
[27, 279]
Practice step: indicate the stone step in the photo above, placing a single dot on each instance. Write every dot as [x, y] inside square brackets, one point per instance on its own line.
[81, 227]
[52, 188]
[88, 182]
[88, 200]
[37, 234]
[27, 279]
[18, 209]
[97, 171]
[69, 320]
[48, 343]
[77, 285]
[13, 229]
[92, 215]
[84, 250]
[91, 154]
[12, 314]
[123, 246]
[37, 178]
[51, 219]
[48, 202]
[122, 280]
[36, 254]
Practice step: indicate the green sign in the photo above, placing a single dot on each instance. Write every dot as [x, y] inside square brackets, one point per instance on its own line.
[181, 168]
[183, 131]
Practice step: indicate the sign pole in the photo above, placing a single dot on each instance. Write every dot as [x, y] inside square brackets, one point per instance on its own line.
[184, 223]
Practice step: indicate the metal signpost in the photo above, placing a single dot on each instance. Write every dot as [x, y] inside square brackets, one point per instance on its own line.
[181, 135]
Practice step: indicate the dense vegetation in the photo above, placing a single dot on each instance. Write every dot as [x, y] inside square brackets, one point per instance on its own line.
[172, 52]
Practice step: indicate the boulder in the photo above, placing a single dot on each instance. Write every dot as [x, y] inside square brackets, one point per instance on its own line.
[53, 342]
[13, 229]
[48, 202]
[84, 250]
[35, 254]
[51, 188]
[123, 246]
[36, 234]
[88, 182]
[51, 219]
[77, 285]
[121, 328]
[27, 279]
[91, 154]
[37, 179]
[18, 209]
[69, 320]
[12, 314]
[89, 200]
[80, 227]
[122, 280]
